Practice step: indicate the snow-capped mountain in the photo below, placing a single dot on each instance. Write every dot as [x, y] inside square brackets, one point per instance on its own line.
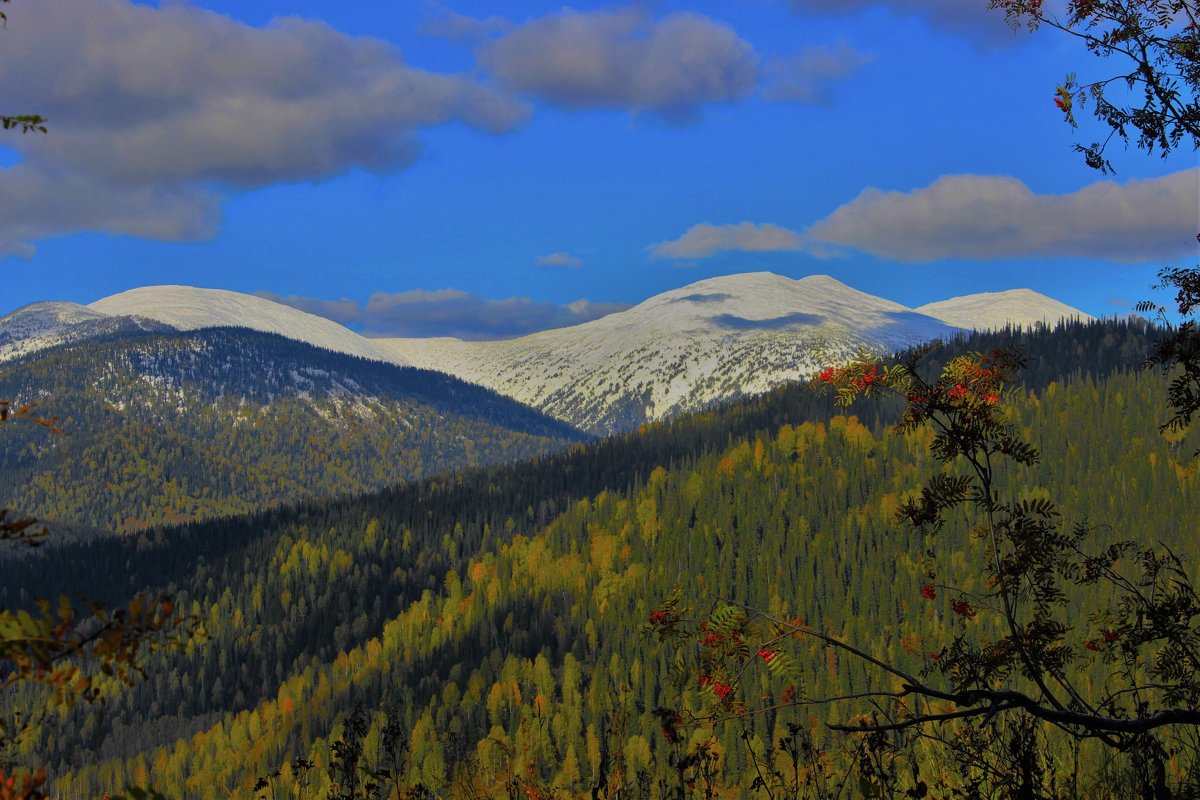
[994, 310]
[187, 308]
[681, 350]
[676, 352]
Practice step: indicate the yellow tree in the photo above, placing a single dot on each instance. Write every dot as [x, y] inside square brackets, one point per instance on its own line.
[71, 655]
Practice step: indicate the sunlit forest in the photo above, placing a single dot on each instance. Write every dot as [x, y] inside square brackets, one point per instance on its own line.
[490, 631]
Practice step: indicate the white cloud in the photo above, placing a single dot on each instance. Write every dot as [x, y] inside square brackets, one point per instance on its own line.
[171, 100]
[705, 240]
[446, 24]
[559, 259]
[40, 202]
[809, 75]
[625, 59]
[970, 18]
[988, 217]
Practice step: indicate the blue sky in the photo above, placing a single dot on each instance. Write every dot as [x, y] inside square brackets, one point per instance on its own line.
[484, 169]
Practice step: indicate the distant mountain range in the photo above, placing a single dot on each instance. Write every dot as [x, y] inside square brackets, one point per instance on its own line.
[676, 352]
[710, 341]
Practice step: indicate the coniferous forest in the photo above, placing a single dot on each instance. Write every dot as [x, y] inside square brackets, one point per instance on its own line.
[172, 427]
[499, 631]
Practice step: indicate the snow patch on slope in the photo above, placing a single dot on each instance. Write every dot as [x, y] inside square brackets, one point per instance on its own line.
[38, 326]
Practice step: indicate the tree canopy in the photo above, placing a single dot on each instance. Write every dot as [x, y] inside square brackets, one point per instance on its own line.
[1151, 99]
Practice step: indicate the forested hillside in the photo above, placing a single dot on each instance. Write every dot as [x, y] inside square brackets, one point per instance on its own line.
[180, 426]
[500, 614]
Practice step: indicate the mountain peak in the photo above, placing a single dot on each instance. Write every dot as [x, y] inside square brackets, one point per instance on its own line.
[191, 308]
[38, 326]
[822, 280]
[764, 296]
[1020, 307]
[749, 283]
[683, 349]
[49, 313]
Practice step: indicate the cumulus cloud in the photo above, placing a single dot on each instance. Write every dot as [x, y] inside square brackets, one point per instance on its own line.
[969, 18]
[705, 240]
[449, 312]
[809, 76]
[986, 217]
[38, 202]
[559, 259]
[172, 100]
[625, 59]
[964, 17]
[462, 28]
[345, 311]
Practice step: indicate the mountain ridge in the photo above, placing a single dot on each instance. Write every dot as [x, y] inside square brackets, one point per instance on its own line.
[188, 308]
[388, 599]
[687, 348]
[678, 351]
[39, 326]
[186, 425]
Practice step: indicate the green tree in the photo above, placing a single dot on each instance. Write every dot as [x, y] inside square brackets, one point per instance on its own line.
[1178, 352]
[1032, 561]
[25, 530]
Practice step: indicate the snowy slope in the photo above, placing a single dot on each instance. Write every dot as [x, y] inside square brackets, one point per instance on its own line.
[188, 308]
[40, 325]
[682, 350]
[676, 352]
[1017, 307]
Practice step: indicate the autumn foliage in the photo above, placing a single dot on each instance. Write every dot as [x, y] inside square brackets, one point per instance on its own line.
[72, 656]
